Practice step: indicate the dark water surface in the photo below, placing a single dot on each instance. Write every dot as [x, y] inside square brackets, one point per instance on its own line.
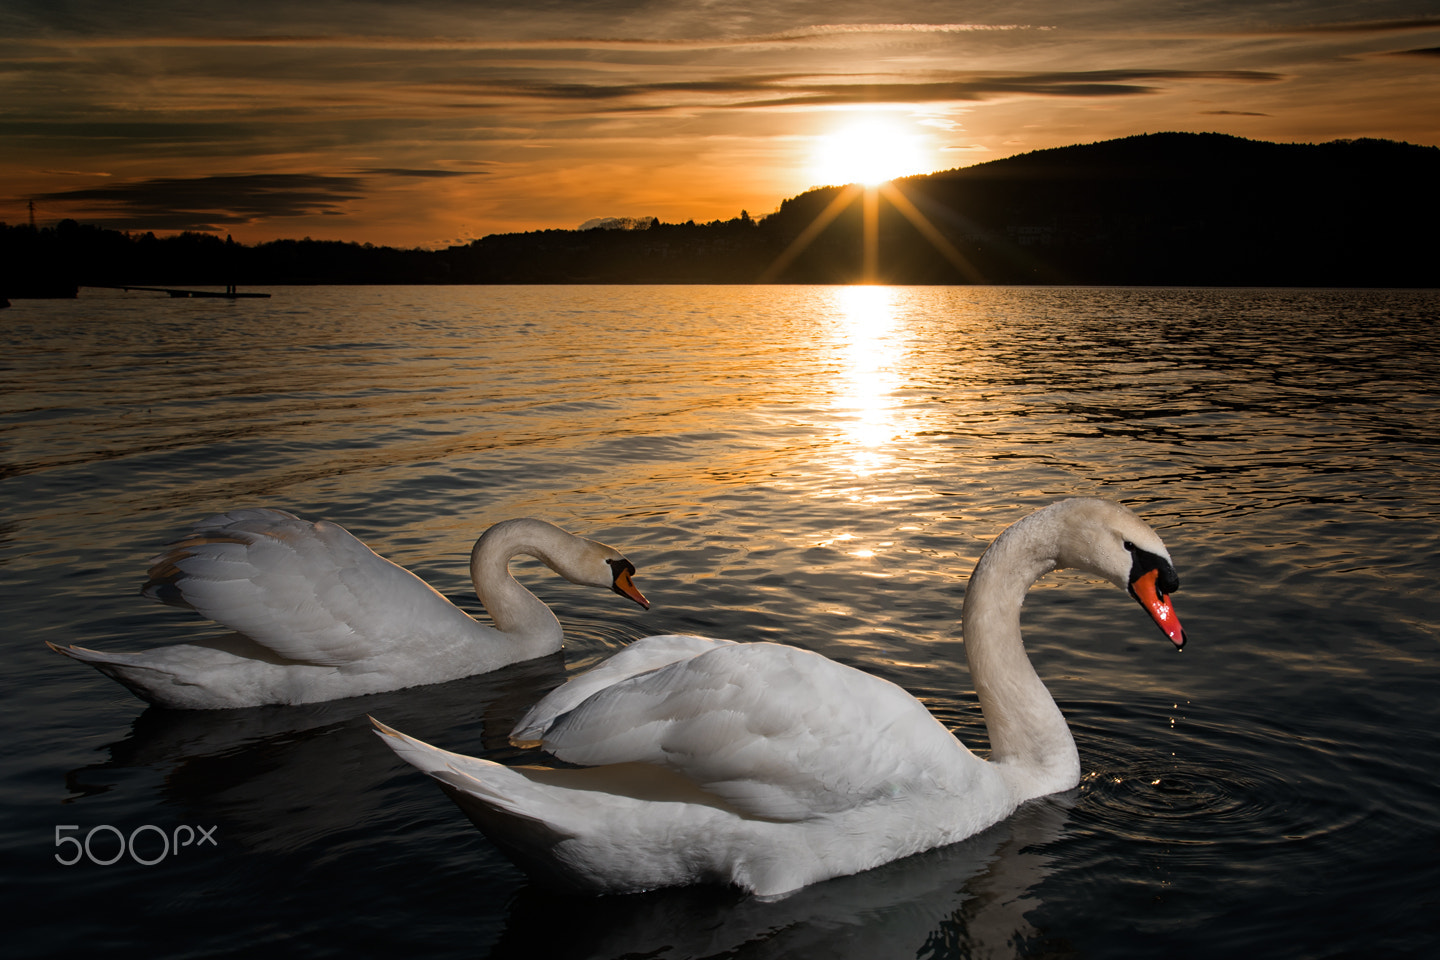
[818, 466]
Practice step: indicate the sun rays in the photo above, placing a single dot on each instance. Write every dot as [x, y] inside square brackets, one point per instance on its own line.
[870, 270]
[868, 155]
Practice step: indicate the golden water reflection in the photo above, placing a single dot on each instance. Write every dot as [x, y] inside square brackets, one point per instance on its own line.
[871, 341]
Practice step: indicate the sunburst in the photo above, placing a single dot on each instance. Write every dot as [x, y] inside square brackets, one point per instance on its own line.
[870, 151]
[865, 157]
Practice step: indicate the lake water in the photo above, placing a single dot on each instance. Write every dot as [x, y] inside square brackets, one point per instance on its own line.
[817, 466]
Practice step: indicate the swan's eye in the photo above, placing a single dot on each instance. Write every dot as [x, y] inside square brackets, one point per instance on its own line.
[1129, 546]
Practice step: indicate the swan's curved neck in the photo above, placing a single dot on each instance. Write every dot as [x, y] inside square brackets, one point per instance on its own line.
[1029, 740]
[517, 612]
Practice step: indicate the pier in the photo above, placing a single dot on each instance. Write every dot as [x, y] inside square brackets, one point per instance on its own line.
[228, 294]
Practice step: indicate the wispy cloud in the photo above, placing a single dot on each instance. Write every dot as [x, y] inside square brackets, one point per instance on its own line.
[800, 35]
[1082, 83]
[412, 173]
[1363, 26]
[780, 90]
[208, 203]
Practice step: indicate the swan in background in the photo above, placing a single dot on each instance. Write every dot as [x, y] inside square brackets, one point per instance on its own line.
[320, 616]
[769, 767]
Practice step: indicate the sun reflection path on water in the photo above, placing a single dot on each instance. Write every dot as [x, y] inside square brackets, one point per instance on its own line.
[867, 436]
[865, 397]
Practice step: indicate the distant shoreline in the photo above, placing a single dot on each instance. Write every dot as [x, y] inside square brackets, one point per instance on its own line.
[1172, 209]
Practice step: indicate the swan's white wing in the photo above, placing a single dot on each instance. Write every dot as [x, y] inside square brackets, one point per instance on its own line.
[642, 656]
[310, 592]
[777, 732]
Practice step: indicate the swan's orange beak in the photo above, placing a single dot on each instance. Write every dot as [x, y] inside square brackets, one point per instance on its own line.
[625, 586]
[1146, 589]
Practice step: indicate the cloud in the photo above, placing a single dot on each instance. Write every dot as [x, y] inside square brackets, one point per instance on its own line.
[1420, 52]
[209, 203]
[1081, 83]
[782, 90]
[1232, 113]
[419, 174]
[1366, 26]
[798, 35]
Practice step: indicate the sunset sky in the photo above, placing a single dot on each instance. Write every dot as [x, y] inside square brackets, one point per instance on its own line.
[429, 123]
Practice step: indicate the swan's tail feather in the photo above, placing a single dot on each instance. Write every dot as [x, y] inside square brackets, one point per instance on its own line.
[491, 784]
[86, 655]
[505, 805]
[520, 833]
[108, 663]
[124, 668]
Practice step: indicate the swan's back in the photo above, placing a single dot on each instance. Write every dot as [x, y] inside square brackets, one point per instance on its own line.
[777, 732]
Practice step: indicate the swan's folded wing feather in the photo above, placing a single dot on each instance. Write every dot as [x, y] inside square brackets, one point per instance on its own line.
[777, 732]
[310, 592]
[642, 656]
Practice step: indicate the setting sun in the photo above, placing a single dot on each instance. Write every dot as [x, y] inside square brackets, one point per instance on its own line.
[870, 152]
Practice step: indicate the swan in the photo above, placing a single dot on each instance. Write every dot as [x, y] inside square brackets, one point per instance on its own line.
[769, 767]
[320, 616]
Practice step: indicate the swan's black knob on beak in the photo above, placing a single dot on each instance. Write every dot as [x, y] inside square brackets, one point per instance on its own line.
[624, 585]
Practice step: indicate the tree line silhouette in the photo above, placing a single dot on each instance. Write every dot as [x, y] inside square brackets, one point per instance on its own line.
[1171, 208]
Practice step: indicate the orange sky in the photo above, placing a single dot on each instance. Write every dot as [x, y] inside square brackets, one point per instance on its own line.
[435, 122]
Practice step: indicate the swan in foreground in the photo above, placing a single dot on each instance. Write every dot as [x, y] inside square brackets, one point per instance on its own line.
[321, 616]
[769, 767]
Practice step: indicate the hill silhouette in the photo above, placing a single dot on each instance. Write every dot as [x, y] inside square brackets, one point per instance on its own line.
[1161, 208]
[1169, 208]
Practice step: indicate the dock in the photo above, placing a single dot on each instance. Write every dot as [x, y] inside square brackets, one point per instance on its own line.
[228, 294]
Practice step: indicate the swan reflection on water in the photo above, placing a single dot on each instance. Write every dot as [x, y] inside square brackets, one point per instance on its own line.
[275, 772]
[969, 899]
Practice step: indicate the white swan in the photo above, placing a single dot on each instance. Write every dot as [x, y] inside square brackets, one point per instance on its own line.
[769, 767]
[320, 616]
